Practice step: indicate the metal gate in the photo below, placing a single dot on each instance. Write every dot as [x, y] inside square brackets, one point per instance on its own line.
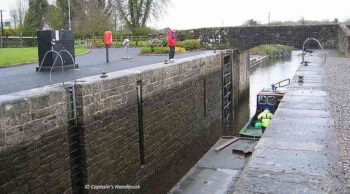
[227, 90]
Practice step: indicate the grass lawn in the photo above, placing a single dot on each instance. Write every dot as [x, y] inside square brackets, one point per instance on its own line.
[17, 56]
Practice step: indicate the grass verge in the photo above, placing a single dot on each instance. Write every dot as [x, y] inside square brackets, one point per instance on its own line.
[270, 49]
[160, 50]
[18, 56]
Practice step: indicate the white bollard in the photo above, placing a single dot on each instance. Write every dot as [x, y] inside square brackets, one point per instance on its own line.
[126, 43]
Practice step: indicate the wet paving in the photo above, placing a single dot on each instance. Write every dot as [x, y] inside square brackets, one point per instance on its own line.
[298, 152]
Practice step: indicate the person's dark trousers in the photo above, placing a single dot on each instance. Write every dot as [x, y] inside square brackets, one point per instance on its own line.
[171, 52]
[263, 129]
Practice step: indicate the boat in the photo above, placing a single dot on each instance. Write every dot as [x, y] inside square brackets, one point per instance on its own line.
[267, 98]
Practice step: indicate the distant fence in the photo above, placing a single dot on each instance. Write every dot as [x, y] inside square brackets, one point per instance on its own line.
[30, 41]
[134, 41]
[19, 41]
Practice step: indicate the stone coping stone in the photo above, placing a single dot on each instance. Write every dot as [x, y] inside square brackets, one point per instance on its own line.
[142, 69]
[345, 29]
[32, 93]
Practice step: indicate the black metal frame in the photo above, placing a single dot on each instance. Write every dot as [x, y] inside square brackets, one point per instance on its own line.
[227, 90]
[140, 117]
[75, 149]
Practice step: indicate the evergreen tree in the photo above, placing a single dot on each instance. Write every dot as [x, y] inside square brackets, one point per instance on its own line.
[53, 17]
[34, 19]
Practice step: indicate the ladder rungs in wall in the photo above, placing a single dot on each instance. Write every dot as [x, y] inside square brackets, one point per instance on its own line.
[227, 105]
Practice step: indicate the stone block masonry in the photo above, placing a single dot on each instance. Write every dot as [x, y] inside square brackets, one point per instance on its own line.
[34, 155]
[130, 126]
[244, 37]
[344, 40]
[173, 117]
[244, 74]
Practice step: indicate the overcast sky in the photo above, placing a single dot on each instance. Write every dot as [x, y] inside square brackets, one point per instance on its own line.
[185, 14]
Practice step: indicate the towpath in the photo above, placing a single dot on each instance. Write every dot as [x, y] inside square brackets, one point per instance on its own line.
[306, 147]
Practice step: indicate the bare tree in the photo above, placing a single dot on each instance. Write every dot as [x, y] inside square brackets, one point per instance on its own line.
[20, 10]
[93, 17]
[136, 13]
[13, 14]
[88, 17]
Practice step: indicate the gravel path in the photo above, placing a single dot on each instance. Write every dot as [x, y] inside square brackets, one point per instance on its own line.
[337, 84]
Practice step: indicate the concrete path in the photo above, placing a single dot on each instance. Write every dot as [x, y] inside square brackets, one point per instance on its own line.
[24, 77]
[298, 152]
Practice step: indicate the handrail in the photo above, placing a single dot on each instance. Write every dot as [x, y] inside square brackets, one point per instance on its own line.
[42, 62]
[73, 63]
[278, 84]
[66, 51]
[58, 54]
[319, 43]
[54, 63]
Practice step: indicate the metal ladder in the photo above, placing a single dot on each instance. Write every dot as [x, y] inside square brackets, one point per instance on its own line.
[75, 150]
[227, 90]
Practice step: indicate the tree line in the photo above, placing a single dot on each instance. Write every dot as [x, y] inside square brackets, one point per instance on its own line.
[88, 17]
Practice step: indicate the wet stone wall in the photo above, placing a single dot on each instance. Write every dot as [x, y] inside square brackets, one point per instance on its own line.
[243, 74]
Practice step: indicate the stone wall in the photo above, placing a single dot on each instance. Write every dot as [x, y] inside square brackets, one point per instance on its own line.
[181, 102]
[244, 74]
[344, 40]
[240, 72]
[119, 140]
[34, 155]
[244, 38]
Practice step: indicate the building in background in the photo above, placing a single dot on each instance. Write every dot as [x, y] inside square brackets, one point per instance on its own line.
[7, 23]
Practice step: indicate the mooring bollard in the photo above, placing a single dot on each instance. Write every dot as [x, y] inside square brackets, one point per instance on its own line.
[126, 43]
[104, 75]
[301, 79]
[107, 55]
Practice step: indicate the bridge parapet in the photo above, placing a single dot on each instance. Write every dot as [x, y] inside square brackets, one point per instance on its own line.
[244, 38]
[344, 40]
